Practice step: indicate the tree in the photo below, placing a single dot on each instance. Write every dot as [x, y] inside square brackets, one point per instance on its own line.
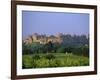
[85, 51]
[69, 49]
[61, 50]
[49, 46]
[26, 49]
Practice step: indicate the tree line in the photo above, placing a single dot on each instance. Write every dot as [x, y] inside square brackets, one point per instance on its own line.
[78, 45]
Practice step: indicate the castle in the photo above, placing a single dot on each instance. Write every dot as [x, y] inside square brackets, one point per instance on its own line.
[43, 39]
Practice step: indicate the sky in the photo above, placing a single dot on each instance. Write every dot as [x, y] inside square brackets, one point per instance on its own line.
[51, 23]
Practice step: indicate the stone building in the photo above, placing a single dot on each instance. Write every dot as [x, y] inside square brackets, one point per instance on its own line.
[43, 39]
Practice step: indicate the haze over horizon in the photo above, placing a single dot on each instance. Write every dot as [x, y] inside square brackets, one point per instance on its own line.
[51, 23]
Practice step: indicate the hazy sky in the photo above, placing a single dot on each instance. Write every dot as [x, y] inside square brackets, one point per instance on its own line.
[54, 22]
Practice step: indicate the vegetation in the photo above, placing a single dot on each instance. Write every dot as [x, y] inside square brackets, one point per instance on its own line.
[53, 60]
[73, 51]
[36, 48]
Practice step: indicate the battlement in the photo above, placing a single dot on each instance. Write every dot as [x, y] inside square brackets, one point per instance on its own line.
[43, 39]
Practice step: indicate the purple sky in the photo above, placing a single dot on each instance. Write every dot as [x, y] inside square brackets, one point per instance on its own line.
[51, 23]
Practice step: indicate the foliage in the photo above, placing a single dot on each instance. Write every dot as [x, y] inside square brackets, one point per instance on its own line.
[62, 60]
[41, 63]
[26, 49]
[27, 61]
[50, 56]
[61, 50]
[37, 48]
[73, 51]
[85, 51]
[49, 47]
[36, 57]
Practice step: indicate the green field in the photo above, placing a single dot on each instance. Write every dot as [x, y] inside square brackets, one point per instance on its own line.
[53, 60]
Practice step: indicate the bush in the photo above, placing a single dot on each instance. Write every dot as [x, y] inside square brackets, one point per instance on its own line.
[86, 51]
[69, 49]
[52, 60]
[41, 63]
[36, 56]
[52, 63]
[81, 51]
[61, 50]
[77, 51]
[27, 62]
[26, 49]
[60, 62]
[50, 56]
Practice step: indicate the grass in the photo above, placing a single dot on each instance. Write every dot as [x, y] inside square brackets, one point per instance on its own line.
[54, 60]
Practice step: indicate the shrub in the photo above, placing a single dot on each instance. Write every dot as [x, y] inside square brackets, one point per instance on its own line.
[27, 62]
[41, 63]
[52, 63]
[60, 62]
[77, 51]
[50, 56]
[61, 50]
[36, 56]
[86, 51]
[26, 49]
[69, 49]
